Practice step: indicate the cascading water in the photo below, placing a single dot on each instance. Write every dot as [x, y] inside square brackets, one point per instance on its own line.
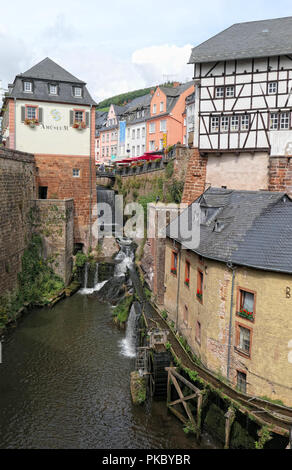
[128, 344]
[125, 257]
[96, 286]
[96, 274]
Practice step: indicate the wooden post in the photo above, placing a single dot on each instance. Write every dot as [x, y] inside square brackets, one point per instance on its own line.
[230, 416]
[199, 411]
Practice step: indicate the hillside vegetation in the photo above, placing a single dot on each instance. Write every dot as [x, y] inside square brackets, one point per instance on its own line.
[123, 98]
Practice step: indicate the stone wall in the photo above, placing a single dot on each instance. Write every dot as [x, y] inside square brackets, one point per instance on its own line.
[17, 190]
[54, 221]
[280, 174]
[195, 177]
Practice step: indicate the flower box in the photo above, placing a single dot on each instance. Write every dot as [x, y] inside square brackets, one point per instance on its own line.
[199, 295]
[31, 122]
[187, 282]
[79, 125]
[246, 314]
[173, 270]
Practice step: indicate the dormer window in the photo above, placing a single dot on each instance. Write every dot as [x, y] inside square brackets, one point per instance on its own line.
[53, 89]
[27, 87]
[77, 91]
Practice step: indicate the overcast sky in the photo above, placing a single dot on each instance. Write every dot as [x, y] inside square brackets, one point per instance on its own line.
[118, 45]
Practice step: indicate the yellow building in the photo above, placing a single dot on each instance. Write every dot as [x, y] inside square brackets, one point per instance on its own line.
[231, 296]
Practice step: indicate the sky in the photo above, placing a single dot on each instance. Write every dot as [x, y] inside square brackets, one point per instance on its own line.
[117, 46]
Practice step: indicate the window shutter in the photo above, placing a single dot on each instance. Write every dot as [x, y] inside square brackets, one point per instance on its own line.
[40, 115]
[71, 118]
[22, 113]
[87, 119]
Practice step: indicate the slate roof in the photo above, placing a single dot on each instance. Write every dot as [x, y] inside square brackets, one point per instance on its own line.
[246, 40]
[172, 96]
[44, 73]
[254, 228]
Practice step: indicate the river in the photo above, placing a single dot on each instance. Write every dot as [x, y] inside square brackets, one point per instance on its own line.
[64, 383]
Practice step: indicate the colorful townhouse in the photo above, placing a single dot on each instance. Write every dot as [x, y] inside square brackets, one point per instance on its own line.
[48, 112]
[230, 296]
[135, 118]
[109, 135]
[243, 107]
[166, 124]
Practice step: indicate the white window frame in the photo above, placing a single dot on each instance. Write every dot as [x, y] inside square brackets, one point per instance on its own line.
[154, 109]
[214, 124]
[272, 88]
[244, 122]
[53, 87]
[78, 92]
[274, 121]
[161, 106]
[284, 120]
[234, 123]
[31, 112]
[224, 123]
[219, 92]
[151, 145]
[76, 172]
[162, 125]
[152, 128]
[29, 89]
[77, 116]
[229, 91]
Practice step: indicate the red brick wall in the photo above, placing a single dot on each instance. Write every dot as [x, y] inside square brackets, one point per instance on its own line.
[195, 177]
[11, 110]
[55, 172]
[280, 174]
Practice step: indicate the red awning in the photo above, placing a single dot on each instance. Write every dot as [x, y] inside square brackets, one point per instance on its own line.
[147, 156]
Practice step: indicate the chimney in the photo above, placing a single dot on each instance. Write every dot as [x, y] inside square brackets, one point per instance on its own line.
[175, 84]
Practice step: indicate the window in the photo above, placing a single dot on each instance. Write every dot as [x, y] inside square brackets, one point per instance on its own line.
[107, 137]
[184, 139]
[154, 109]
[152, 145]
[163, 126]
[31, 112]
[142, 113]
[152, 128]
[244, 122]
[198, 332]
[161, 106]
[133, 151]
[160, 144]
[234, 123]
[246, 304]
[133, 134]
[284, 120]
[187, 274]
[229, 91]
[200, 282]
[138, 133]
[272, 88]
[138, 114]
[241, 381]
[78, 116]
[243, 338]
[143, 132]
[129, 130]
[43, 192]
[76, 172]
[219, 92]
[27, 87]
[224, 123]
[138, 150]
[214, 123]
[274, 119]
[53, 89]
[173, 268]
[77, 91]
[186, 315]
[102, 138]
[107, 151]
[185, 121]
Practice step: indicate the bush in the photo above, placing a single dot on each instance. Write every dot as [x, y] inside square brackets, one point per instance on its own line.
[121, 311]
[81, 259]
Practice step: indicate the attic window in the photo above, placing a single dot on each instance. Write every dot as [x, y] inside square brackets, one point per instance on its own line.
[27, 87]
[77, 91]
[207, 213]
[53, 89]
[219, 226]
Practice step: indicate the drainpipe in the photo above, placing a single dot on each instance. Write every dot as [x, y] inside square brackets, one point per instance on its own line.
[230, 266]
[14, 123]
[178, 286]
[90, 180]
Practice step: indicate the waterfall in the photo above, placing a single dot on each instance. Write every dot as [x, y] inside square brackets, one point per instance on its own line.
[85, 275]
[128, 344]
[125, 257]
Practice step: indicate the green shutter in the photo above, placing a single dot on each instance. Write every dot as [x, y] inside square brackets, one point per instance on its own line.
[71, 118]
[41, 115]
[87, 119]
[22, 113]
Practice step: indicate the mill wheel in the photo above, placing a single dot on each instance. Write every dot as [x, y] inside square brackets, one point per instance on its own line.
[157, 373]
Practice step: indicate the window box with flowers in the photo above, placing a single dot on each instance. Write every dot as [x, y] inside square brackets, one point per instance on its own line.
[246, 314]
[80, 125]
[31, 122]
[173, 271]
[199, 295]
[246, 304]
[187, 282]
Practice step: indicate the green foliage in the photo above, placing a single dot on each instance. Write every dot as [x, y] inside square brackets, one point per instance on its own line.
[147, 293]
[189, 428]
[121, 311]
[169, 170]
[80, 259]
[123, 98]
[193, 375]
[175, 191]
[264, 436]
[164, 314]
[168, 346]
[277, 402]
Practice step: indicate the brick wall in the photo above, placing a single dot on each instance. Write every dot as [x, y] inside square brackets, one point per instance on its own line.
[280, 174]
[17, 190]
[56, 172]
[195, 177]
[54, 221]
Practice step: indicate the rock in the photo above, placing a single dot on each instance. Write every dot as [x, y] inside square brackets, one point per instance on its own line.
[109, 247]
[147, 264]
[138, 388]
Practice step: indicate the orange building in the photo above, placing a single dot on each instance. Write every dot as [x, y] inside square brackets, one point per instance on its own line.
[166, 124]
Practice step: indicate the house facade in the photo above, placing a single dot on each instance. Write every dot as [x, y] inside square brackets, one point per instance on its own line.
[48, 112]
[244, 104]
[231, 296]
[166, 125]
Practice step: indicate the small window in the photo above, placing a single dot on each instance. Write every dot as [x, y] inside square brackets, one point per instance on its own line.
[161, 106]
[229, 91]
[243, 340]
[152, 128]
[241, 381]
[133, 134]
[76, 172]
[198, 332]
[31, 112]
[186, 315]
[138, 114]
[187, 274]
[142, 113]
[78, 116]
[138, 150]
[246, 304]
[152, 145]
[219, 92]
[173, 268]
[224, 123]
[77, 91]
[138, 133]
[53, 89]
[245, 122]
[234, 123]
[274, 121]
[284, 120]
[200, 283]
[27, 87]
[163, 126]
[133, 151]
[143, 131]
[272, 88]
[214, 123]
[154, 109]
[43, 192]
